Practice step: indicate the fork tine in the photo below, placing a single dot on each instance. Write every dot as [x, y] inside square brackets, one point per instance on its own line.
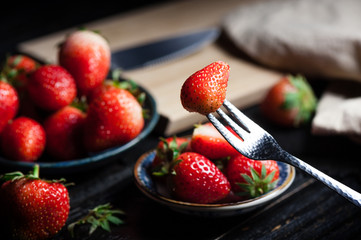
[239, 130]
[229, 136]
[246, 123]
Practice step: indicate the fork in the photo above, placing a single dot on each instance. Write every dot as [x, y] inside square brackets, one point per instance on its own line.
[257, 144]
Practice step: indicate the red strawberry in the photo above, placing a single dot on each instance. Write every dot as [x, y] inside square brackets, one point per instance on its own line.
[9, 103]
[51, 87]
[196, 179]
[250, 177]
[114, 118]
[104, 87]
[290, 102]
[86, 55]
[205, 90]
[23, 139]
[17, 69]
[64, 132]
[207, 141]
[33, 208]
[166, 151]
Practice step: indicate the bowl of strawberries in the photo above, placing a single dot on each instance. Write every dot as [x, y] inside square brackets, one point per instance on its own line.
[70, 115]
[203, 175]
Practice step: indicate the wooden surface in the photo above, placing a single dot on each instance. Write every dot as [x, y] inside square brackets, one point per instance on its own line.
[247, 84]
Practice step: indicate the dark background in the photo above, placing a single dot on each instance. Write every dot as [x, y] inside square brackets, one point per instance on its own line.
[20, 22]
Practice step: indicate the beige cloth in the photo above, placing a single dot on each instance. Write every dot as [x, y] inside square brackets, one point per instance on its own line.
[313, 37]
[318, 38]
[339, 110]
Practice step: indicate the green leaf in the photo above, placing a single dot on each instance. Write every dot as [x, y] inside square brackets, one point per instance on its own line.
[115, 220]
[92, 228]
[268, 179]
[258, 183]
[263, 171]
[303, 100]
[105, 225]
[255, 175]
[291, 101]
[247, 178]
[99, 216]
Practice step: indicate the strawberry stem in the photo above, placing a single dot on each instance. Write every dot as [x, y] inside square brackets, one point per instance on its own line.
[36, 171]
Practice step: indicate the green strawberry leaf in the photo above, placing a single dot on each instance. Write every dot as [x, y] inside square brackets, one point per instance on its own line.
[303, 99]
[100, 216]
[248, 179]
[256, 185]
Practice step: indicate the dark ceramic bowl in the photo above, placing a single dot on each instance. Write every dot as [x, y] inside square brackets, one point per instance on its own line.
[94, 160]
[156, 192]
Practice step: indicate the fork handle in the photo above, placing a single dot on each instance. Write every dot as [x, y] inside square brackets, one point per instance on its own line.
[335, 185]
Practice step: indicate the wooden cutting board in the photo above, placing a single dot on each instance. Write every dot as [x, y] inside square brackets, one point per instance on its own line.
[248, 82]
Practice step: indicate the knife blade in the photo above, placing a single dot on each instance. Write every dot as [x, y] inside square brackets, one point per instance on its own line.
[162, 50]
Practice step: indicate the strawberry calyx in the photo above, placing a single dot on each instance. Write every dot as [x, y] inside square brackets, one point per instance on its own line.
[303, 99]
[32, 175]
[167, 154]
[257, 184]
[18, 175]
[80, 103]
[12, 69]
[100, 216]
[129, 85]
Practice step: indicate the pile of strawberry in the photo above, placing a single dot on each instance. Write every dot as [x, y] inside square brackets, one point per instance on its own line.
[205, 168]
[66, 109]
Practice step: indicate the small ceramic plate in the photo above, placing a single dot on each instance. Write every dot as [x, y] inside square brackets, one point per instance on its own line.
[154, 191]
[95, 160]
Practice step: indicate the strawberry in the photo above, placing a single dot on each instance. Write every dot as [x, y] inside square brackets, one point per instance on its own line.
[205, 90]
[290, 102]
[33, 208]
[64, 132]
[9, 103]
[113, 118]
[166, 151]
[114, 83]
[250, 177]
[17, 69]
[86, 55]
[22, 62]
[207, 141]
[196, 179]
[51, 87]
[23, 139]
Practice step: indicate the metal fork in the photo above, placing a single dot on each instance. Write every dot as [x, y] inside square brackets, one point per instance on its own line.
[257, 144]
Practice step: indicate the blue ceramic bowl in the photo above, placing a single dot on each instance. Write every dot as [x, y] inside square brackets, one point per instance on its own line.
[156, 192]
[94, 160]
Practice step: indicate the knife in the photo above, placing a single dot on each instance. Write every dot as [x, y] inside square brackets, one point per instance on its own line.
[162, 50]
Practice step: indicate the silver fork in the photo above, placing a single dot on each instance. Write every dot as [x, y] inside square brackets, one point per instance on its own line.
[258, 144]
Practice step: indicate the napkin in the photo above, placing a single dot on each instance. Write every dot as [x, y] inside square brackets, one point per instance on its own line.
[320, 39]
[339, 110]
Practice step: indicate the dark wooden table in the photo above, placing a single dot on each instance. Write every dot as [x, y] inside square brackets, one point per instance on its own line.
[308, 210]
